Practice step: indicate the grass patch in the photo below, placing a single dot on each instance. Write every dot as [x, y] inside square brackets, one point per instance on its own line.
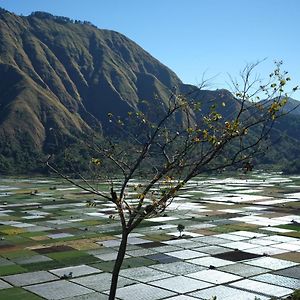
[66, 254]
[44, 266]
[295, 234]
[157, 237]
[10, 270]
[73, 257]
[295, 227]
[106, 266]
[18, 254]
[86, 259]
[84, 244]
[33, 234]
[231, 228]
[12, 231]
[135, 262]
[295, 204]
[17, 239]
[17, 294]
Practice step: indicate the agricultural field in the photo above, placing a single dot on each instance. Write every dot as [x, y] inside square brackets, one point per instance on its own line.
[241, 240]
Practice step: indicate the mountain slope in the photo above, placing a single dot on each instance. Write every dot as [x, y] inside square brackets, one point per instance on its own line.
[60, 78]
[66, 77]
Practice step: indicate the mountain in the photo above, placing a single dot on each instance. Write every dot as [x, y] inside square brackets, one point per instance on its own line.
[60, 78]
[64, 76]
[293, 106]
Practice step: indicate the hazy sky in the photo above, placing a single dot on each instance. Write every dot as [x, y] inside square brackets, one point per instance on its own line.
[194, 36]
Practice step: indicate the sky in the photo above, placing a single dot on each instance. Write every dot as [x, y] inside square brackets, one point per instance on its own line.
[195, 38]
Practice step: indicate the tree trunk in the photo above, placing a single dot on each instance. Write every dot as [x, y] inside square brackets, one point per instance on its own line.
[117, 266]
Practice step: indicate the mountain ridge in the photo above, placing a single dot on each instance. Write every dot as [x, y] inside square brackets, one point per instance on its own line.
[65, 76]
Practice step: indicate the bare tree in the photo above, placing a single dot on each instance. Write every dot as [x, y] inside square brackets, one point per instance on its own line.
[181, 140]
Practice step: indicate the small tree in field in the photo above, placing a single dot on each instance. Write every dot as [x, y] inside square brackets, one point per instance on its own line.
[180, 228]
[181, 140]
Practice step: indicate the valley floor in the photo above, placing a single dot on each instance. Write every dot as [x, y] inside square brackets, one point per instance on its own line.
[241, 241]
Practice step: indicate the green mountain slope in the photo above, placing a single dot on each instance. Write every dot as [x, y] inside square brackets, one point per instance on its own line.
[60, 79]
[66, 77]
